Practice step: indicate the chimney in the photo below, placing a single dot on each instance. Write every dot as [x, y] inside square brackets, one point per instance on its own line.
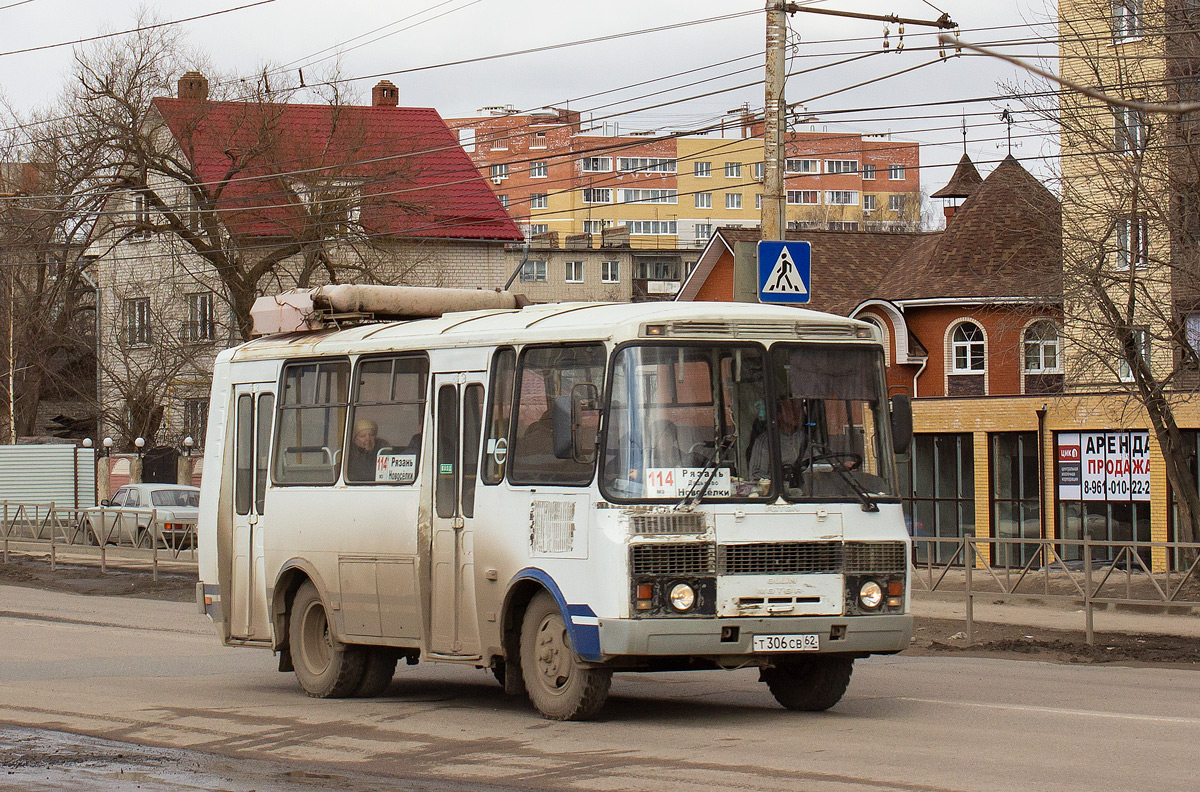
[949, 211]
[385, 94]
[193, 85]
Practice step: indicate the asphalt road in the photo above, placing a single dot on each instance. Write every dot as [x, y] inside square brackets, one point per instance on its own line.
[152, 674]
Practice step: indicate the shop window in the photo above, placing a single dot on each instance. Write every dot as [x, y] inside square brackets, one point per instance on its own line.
[1015, 496]
[940, 499]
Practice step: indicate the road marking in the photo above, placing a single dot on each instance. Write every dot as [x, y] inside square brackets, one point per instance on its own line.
[1057, 711]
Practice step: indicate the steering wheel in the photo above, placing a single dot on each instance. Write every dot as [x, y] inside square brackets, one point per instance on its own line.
[848, 460]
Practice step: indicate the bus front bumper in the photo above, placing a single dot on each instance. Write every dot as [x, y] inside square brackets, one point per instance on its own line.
[735, 636]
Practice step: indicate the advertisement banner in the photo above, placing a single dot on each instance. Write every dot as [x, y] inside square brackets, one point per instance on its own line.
[1104, 466]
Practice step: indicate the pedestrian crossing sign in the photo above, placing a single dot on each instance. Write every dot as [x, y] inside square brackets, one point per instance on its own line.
[784, 272]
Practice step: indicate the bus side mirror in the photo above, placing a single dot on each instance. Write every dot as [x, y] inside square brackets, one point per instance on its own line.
[902, 423]
[585, 422]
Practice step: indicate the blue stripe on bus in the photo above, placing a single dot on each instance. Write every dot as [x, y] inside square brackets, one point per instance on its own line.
[585, 638]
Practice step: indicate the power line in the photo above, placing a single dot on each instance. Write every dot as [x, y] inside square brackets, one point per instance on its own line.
[135, 30]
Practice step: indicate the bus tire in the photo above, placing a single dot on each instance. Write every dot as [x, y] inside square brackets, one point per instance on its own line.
[325, 667]
[813, 684]
[379, 668]
[559, 685]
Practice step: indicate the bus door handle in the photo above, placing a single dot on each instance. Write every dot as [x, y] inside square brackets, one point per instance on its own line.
[458, 523]
[252, 518]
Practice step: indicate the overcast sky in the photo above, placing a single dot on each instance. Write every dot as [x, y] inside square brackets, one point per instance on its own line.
[293, 32]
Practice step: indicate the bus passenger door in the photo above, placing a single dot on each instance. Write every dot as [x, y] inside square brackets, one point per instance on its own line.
[254, 410]
[458, 418]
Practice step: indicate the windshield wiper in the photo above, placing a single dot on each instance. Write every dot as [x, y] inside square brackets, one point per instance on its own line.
[707, 474]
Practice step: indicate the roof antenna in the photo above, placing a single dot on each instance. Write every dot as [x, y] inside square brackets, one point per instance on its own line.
[964, 132]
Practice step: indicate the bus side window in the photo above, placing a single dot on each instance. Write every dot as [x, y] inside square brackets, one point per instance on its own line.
[243, 454]
[547, 374]
[472, 418]
[388, 412]
[312, 420]
[495, 449]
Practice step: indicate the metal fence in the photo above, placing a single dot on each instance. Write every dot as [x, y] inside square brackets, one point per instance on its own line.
[1081, 572]
[138, 534]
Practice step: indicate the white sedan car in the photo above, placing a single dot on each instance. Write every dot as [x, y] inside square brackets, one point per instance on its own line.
[126, 517]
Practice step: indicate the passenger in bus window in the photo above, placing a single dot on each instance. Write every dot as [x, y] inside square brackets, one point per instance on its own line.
[360, 463]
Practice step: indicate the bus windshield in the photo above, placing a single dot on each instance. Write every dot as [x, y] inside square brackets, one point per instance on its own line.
[687, 421]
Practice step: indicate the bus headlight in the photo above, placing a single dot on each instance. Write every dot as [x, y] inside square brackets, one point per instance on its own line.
[683, 597]
[870, 595]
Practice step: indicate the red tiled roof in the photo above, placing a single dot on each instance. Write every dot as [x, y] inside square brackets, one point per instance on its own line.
[415, 179]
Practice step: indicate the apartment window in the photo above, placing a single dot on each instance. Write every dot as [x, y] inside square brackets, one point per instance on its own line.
[200, 324]
[868, 172]
[141, 216]
[1132, 241]
[537, 140]
[596, 164]
[652, 227]
[195, 420]
[137, 321]
[192, 216]
[703, 200]
[804, 196]
[574, 272]
[702, 170]
[466, 139]
[1141, 339]
[500, 143]
[1191, 331]
[760, 170]
[646, 164]
[650, 196]
[758, 201]
[733, 200]
[533, 272]
[539, 201]
[802, 166]
[733, 170]
[597, 195]
[967, 349]
[896, 203]
[841, 197]
[537, 169]
[610, 272]
[803, 225]
[841, 166]
[1041, 348]
[538, 228]
[596, 226]
[1126, 19]
[503, 200]
[869, 203]
[704, 230]
[1129, 131]
[896, 172]
[500, 171]
[842, 225]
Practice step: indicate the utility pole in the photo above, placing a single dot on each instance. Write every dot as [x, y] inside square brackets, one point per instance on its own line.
[773, 204]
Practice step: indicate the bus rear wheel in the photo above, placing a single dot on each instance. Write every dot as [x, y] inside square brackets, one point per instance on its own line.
[559, 685]
[325, 667]
[811, 684]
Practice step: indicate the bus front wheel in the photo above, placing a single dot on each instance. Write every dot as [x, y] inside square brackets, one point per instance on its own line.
[325, 667]
[558, 684]
[811, 684]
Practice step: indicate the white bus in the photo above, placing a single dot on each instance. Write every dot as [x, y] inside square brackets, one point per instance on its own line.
[558, 492]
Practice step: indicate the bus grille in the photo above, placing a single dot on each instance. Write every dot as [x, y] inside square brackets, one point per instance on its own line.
[666, 523]
[780, 558]
[735, 329]
[683, 558]
[875, 557]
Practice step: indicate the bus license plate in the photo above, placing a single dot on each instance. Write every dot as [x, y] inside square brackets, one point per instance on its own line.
[787, 643]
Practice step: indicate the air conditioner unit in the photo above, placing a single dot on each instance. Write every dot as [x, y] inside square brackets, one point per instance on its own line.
[497, 180]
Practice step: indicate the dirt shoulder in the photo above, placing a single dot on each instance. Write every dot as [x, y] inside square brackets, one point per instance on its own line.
[933, 636]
